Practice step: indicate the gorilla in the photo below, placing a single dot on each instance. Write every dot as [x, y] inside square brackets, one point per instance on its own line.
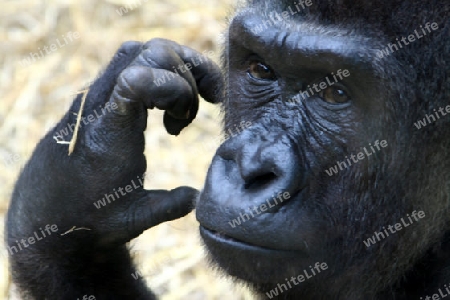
[328, 188]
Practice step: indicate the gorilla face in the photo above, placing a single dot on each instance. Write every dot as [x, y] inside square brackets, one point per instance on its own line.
[317, 97]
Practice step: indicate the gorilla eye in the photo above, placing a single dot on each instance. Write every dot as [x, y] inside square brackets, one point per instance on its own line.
[258, 70]
[334, 95]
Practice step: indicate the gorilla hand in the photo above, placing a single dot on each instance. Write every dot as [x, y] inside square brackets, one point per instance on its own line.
[107, 164]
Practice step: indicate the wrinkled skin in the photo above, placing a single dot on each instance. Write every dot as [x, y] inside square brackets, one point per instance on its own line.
[286, 148]
[290, 146]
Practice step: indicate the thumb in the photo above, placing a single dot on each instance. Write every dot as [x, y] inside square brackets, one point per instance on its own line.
[158, 206]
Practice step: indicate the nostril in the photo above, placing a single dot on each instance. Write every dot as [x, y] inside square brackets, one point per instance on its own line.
[258, 182]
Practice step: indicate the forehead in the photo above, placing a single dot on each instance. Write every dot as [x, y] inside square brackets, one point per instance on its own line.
[272, 36]
[388, 18]
[337, 8]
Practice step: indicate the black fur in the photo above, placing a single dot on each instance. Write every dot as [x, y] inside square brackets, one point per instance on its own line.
[287, 147]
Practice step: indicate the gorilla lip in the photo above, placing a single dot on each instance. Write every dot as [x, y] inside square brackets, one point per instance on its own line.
[253, 260]
[223, 238]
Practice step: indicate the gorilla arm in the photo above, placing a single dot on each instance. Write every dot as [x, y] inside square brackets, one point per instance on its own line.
[55, 188]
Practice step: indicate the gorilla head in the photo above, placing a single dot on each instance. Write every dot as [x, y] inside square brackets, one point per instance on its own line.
[334, 154]
[332, 184]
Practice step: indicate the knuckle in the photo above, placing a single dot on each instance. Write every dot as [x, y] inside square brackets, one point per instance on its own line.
[127, 79]
[158, 42]
[152, 59]
[128, 48]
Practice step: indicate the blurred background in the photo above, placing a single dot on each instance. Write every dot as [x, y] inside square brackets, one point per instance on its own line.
[37, 88]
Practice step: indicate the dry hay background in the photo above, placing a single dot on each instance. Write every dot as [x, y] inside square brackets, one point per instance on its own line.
[35, 96]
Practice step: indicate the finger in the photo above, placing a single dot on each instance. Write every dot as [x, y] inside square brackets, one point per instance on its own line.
[173, 125]
[157, 206]
[136, 86]
[207, 74]
[160, 56]
[133, 94]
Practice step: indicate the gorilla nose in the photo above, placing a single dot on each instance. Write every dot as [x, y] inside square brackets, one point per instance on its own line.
[256, 165]
[256, 161]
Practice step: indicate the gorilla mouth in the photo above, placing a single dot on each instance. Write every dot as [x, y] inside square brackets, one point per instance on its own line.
[250, 262]
[222, 238]
[229, 227]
